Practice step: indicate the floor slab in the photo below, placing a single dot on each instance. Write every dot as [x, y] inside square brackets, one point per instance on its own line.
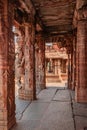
[54, 110]
[57, 117]
[62, 95]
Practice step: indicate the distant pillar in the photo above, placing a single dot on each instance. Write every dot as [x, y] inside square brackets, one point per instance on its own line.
[56, 67]
[41, 60]
[74, 63]
[59, 70]
[69, 70]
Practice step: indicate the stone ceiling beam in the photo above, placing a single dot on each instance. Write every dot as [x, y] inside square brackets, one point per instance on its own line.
[59, 29]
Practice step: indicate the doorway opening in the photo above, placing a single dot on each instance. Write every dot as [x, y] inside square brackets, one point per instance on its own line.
[56, 65]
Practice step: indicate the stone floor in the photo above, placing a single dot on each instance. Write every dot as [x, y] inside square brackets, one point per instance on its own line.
[54, 109]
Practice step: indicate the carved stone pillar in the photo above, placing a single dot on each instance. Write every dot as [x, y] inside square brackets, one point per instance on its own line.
[41, 61]
[20, 58]
[28, 92]
[81, 56]
[7, 58]
[74, 64]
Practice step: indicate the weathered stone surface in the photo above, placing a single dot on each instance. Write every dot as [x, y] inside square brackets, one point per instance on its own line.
[80, 109]
[27, 125]
[81, 122]
[58, 116]
[21, 105]
[62, 95]
[81, 71]
[36, 111]
[46, 95]
[19, 56]
[29, 90]
[7, 54]
[56, 15]
[40, 61]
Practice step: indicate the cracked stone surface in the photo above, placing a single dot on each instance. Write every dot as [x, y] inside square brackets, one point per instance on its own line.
[21, 106]
[62, 95]
[54, 110]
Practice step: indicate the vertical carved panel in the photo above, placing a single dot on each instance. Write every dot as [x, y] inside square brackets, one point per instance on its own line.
[41, 61]
[7, 98]
[29, 91]
[20, 58]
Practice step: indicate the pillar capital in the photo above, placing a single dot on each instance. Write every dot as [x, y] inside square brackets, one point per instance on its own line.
[82, 14]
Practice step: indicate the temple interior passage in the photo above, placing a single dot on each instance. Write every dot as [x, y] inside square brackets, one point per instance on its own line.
[43, 64]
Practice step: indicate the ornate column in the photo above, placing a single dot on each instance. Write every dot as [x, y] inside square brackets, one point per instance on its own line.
[28, 92]
[7, 58]
[81, 55]
[19, 54]
[41, 60]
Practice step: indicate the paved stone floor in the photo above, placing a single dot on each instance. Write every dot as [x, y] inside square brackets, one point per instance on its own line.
[54, 109]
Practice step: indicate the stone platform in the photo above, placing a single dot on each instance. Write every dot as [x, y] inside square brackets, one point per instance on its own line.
[54, 109]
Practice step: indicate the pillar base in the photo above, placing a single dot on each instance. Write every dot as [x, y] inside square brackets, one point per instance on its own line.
[4, 124]
[26, 94]
[81, 95]
[42, 86]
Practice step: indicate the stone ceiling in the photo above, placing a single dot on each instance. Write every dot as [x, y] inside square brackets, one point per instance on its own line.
[56, 15]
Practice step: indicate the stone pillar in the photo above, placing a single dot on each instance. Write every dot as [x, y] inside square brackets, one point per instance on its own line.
[69, 69]
[28, 92]
[37, 67]
[59, 70]
[56, 67]
[81, 56]
[74, 64]
[7, 58]
[20, 59]
[71, 84]
[41, 59]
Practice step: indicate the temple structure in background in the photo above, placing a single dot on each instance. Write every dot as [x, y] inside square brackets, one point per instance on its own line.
[56, 63]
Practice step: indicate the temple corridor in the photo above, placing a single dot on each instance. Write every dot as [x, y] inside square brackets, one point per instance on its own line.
[54, 109]
[28, 64]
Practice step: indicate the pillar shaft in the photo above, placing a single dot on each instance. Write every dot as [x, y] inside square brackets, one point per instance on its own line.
[20, 59]
[7, 54]
[69, 71]
[28, 92]
[41, 62]
[74, 64]
[81, 62]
